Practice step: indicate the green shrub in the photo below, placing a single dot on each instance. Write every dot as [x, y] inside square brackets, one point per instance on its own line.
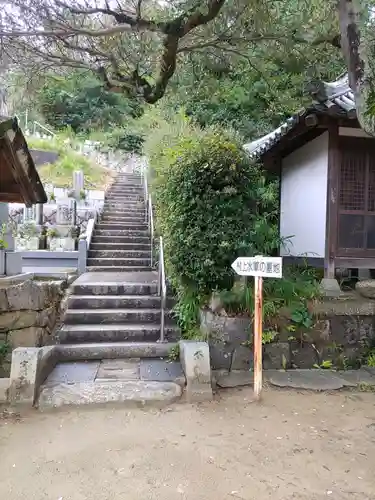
[212, 205]
[297, 287]
[125, 140]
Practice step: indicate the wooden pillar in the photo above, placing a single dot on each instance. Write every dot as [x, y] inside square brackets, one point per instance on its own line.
[332, 199]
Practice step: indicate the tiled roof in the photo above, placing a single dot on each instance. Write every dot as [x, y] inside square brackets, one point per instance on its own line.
[334, 98]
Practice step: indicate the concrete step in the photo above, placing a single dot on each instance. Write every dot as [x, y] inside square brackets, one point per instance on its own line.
[111, 316]
[113, 288]
[114, 350]
[99, 238]
[129, 179]
[115, 332]
[125, 214]
[113, 301]
[124, 217]
[117, 269]
[142, 226]
[124, 197]
[125, 254]
[111, 246]
[136, 200]
[128, 183]
[122, 233]
[132, 191]
[124, 221]
[119, 262]
[126, 192]
[131, 188]
[128, 393]
[124, 208]
[124, 202]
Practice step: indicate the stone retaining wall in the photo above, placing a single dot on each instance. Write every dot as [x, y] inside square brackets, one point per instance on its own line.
[29, 312]
[343, 332]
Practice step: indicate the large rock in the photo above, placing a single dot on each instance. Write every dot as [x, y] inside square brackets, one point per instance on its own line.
[366, 288]
[33, 295]
[47, 318]
[227, 338]
[351, 330]
[224, 328]
[26, 337]
[303, 355]
[242, 358]
[275, 355]
[16, 320]
[4, 306]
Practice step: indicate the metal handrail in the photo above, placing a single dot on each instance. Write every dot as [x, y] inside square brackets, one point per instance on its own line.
[162, 288]
[37, 124]
[151, 228]
[145, 189]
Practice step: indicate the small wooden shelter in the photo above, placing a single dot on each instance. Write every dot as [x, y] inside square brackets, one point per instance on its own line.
[19, 180]
[326, 166]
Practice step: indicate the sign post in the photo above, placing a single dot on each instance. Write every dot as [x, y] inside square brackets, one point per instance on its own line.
[260, 267]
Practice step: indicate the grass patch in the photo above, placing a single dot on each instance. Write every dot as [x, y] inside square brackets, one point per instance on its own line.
[60, 174]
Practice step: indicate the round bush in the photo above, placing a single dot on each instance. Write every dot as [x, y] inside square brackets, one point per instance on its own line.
[207, 199]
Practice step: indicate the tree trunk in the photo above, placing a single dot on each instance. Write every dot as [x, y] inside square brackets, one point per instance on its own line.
[353, 15]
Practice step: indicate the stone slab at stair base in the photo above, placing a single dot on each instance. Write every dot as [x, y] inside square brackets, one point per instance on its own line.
[113, 350]
[195, 361]
[135, 392]
[32, 365]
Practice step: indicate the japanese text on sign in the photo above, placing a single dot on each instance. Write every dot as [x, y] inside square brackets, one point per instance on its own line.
[266, 267]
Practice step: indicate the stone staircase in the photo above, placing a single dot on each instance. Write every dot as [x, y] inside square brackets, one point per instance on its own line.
[124, 307]
[112, 320]
[121, 240]
[117, 300]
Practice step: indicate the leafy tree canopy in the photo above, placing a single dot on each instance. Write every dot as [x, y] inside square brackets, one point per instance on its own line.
[81, 102]
[140, 47]
[136, 46]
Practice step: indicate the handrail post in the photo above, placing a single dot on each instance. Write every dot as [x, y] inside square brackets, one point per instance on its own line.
[162, 289]
[151, 228]
[145, 193]
[149, 219]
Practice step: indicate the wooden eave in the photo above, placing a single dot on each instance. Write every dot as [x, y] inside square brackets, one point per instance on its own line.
[19, 179]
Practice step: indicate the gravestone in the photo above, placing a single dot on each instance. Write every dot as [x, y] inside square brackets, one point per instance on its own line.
[63, 214]
[73, 211]
[78, 183]
[29, 213]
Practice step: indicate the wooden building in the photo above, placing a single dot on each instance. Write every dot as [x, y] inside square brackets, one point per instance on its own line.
[326, 166]
[19, 180]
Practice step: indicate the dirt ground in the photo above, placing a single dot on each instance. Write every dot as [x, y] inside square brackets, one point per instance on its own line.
[290, 446]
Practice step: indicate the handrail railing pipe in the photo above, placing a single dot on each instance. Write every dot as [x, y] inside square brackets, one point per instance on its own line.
[44, 128]
[151, 228]
[145, 189]
[162, 289]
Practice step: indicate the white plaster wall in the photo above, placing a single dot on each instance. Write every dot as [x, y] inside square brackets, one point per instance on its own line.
[304, 199]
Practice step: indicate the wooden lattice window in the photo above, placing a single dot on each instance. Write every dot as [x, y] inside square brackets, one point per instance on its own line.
[356, 223]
